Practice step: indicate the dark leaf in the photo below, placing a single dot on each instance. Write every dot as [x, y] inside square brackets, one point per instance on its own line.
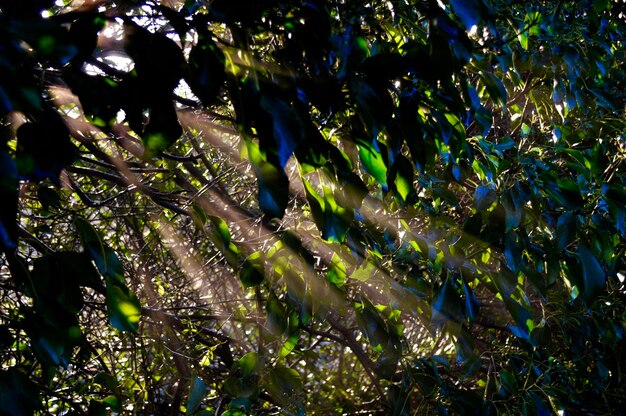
[288, 131]
[512, 251]
[9, 197]
[565, 230]
[252, 271]
[471, 302]
[446, 305]
[44, 147]
[484, 197]
[162, 129]
[206, 70]
[159, 61]
[272, 182]
[276, 322]
[19, 396]
[592, 274]
[284, 385]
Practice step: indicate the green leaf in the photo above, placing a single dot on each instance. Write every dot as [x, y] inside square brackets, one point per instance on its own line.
[337, 272]
[284, 384]
[252, 270]
[273, 184]
[276, 322]
[123, 308]
[523, 38]
[401, 177]
[250, 364]
[373, 162]
[509, 382]
[331, 219]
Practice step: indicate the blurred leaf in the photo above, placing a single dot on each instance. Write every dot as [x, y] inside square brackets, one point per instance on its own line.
[284, 385]
[471, 302]
[44, 147]
[468, 12]
[592, 274]
[272, 181]
[123, 308]
[252, 271]
[276, 322]
[206, 69]
[250, 364]
[446, 305]
[565, 230]
[19, 396]
[197, 392]
[288, 131]
[484, 197]
[9, 197]
[509, 382]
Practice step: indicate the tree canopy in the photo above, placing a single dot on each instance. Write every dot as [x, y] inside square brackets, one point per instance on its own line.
[312, 207]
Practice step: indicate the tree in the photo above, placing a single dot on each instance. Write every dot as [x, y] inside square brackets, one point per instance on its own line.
[319, 207]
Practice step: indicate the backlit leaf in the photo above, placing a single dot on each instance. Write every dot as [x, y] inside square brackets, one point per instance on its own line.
[123, 308]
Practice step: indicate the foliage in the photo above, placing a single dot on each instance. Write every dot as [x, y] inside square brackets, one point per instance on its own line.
[320, 207]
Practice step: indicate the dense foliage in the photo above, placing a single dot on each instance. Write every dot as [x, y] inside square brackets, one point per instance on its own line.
[323, 207]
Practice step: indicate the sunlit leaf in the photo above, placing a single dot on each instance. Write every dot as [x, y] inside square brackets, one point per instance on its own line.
[373, 162]
[123, 308]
